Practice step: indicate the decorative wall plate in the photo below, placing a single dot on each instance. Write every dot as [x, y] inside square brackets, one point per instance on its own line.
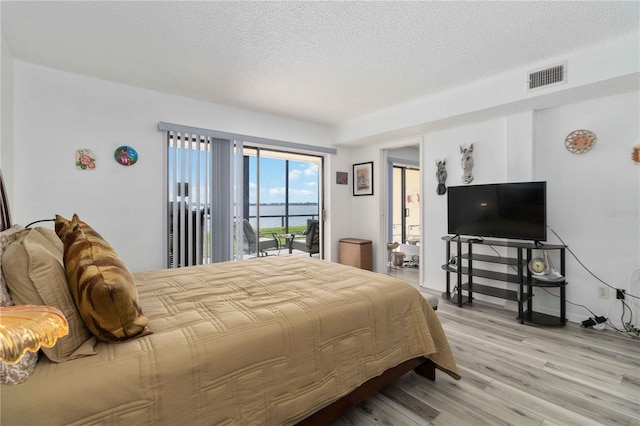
[126, 155]
[580, 141]
[85, 159]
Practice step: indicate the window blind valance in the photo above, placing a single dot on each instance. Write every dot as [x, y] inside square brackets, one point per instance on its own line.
[163, 126]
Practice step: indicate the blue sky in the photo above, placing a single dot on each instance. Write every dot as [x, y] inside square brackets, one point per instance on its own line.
[303, 177]
[303, 181]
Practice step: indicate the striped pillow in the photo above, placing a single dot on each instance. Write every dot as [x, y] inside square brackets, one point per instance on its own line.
[101, 284]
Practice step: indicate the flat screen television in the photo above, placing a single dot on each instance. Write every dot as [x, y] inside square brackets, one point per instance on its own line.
[500, 210]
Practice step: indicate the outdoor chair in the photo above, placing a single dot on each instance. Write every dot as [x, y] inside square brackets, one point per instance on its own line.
[255, 244]
[311, 242]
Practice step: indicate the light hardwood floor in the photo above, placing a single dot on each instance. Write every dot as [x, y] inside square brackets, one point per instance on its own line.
[515, 374]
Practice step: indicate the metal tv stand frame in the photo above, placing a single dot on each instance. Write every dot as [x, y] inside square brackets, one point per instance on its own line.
[524, 281]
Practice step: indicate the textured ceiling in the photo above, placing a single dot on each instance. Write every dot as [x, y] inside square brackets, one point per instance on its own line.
[325, 62]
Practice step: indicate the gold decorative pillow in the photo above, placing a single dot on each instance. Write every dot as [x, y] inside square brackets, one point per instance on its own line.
[34, 271]
[100, 282]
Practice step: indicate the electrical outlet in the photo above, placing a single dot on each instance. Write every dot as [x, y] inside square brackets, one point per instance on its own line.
[603, 292]
[620, 293]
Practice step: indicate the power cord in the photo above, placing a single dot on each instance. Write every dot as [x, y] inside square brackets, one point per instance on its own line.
[595, 321]
[591, 321]
[583, 265]
[38, 221]
[629, 326]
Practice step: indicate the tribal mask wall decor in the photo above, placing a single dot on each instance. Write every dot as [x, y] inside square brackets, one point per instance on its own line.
[441, 175]
[467, 164]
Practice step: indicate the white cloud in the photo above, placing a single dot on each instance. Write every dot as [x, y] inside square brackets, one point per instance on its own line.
[276, 192]
[312, 170]
[301, 193]
[295, 174]
[293, 193]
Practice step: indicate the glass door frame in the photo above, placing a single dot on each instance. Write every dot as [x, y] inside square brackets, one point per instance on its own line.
[391, 155]
[404, 201]
[241, 202]
[391, 165]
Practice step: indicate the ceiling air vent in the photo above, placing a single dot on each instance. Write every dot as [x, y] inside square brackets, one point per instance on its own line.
[546, 77]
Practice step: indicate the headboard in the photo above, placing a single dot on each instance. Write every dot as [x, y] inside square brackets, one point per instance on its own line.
[5, 215]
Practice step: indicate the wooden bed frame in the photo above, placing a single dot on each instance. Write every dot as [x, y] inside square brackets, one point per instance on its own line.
[421, 365]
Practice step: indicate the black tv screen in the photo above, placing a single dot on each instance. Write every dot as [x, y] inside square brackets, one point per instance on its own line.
[501, 210]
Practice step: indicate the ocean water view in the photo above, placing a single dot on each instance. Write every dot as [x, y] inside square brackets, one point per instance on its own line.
[272, 215]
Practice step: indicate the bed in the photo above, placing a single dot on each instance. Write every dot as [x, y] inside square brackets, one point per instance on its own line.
[274, 340]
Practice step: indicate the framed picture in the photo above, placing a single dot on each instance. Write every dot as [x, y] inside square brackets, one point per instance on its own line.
[363, 178]
[342, 178]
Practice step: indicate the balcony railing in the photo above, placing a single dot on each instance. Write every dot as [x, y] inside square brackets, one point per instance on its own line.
[285, 227]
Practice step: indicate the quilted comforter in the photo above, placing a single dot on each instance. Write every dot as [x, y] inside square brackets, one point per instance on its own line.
[262, 341]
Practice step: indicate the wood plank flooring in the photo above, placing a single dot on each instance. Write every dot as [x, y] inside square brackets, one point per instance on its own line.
[515, 374]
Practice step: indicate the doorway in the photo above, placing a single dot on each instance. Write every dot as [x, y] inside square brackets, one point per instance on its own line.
[282, 192]
[404, 213]
[406, 205]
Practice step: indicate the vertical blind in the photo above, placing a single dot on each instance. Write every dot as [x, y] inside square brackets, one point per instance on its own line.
[200, 198]
[204, 207]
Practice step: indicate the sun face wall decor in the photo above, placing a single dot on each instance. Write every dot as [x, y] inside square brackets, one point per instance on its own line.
[580, 141]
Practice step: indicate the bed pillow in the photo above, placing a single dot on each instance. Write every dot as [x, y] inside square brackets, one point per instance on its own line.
[12, 374]
[33, 267]
[6, 237]
[100, 282]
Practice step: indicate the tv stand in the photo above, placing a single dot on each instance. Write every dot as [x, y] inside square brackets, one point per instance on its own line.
[522, 279]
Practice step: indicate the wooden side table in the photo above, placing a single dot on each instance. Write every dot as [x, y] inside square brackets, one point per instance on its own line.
[356, 252]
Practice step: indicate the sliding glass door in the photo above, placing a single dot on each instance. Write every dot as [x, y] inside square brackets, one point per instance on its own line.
[228, 197]
[282, 190]
[406, 205]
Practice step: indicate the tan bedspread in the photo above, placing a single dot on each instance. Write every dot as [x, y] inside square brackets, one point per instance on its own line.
[263, 341]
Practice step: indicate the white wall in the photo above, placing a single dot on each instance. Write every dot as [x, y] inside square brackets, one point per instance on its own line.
[57, 112]
[6, 116]
[337, 203]
[409, 153]
[590, 72]
[593, 198]
[489, 140]
[367, 213]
